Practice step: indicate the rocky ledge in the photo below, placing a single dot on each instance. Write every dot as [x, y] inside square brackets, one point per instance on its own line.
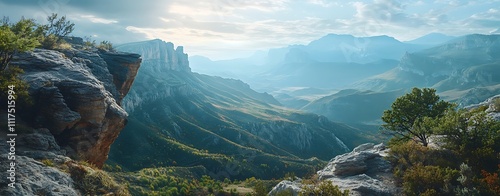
[364, 171]
[76, 95]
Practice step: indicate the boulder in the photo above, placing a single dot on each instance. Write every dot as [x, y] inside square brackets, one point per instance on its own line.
[355, 162]
[294, 187]
[364, 171]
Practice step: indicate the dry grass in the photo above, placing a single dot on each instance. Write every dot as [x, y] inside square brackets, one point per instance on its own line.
[92, 181]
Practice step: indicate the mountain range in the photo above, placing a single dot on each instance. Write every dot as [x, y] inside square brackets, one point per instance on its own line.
[181, 118]
[463, 69]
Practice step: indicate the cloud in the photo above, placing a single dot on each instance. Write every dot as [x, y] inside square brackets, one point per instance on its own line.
[247, 25]
[98, 20]
[323, 3]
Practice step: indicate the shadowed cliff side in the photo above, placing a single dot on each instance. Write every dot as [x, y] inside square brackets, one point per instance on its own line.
[77, 95]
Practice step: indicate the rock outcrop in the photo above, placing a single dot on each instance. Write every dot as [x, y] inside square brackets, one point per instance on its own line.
[77, 96]
[364, 171]
[493, 108]
[32, 176]
[293, 187]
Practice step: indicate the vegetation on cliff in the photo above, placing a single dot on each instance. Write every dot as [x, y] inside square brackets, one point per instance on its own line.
[459, 154]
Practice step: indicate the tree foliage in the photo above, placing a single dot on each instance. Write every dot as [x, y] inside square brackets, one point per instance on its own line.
[473, 135]
[15, 38]
[55, 30]
[59, 27]
[463, 159]
[407, 117]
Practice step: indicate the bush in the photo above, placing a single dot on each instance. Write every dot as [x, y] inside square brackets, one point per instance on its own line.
[474, 136]
[94, 181]
[10, 77]
[260, 188]
[491, 182]
[429, 180]
[48, 162]
[106, 45]
[325, 188]
[54, 31]
[16, 38]
[58, 27]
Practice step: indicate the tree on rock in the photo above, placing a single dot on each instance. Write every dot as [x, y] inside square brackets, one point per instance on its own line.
[16, 38]
[410, 116]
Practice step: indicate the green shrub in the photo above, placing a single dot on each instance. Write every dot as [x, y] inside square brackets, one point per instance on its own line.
[10, 78]
[106, 45]
[325, 188]
[260, 189]
[429, 180]
[48, 162]
[16, 38]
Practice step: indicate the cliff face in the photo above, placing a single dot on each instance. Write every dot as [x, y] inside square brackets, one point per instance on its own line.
[77, 95]
[160, 54]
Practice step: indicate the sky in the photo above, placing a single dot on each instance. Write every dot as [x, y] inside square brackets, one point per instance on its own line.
[225, 29]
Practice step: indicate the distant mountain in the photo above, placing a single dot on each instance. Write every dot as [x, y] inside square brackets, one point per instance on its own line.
[347, 48]
[354, 106]
[432, 39]
[323, 74]
[333, 61]
[181, 118]
[239, 68]
[464, 69]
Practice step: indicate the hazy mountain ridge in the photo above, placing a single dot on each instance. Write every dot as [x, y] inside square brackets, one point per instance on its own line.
[462, 69]
[353, 106]
[454, 68]
[324, 59]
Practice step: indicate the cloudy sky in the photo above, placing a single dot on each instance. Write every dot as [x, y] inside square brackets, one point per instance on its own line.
[221, 29]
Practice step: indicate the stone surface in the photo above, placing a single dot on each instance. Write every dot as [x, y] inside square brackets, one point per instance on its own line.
[364, 171]
[77, 96]
[32, 176]
[355, 162]
[490, 103]
[286, 185]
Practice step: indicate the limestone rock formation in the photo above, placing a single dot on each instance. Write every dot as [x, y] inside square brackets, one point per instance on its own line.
[364, 171]
[160, 54]
[493, 109]
[293, 187]
[77, 96]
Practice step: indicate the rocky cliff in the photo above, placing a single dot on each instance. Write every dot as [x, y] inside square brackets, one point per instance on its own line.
[76, 95]
[74, 119]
